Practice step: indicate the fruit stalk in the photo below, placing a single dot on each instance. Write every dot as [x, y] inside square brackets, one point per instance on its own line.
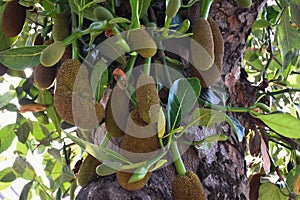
[204, 8]
[179, 165]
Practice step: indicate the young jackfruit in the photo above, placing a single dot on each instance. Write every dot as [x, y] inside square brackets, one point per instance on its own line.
[44, 76]
[188, 187]
[52, 54]
[60, 28]
[218, 43]
[102, 13]
[76, 106]
[147, 98]
[245, 3]
[13, 18]
[140, 141]
[202, 45]
[87, 172]
[123, 178]
[116, 117]
[142, 42]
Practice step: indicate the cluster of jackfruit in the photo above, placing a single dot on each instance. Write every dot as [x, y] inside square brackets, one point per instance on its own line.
[139, 130]
[207, 51]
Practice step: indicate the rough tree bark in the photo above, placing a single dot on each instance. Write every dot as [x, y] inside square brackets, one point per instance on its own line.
[222, 169]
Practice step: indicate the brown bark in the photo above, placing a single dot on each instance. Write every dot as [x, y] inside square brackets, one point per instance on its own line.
[222, 169]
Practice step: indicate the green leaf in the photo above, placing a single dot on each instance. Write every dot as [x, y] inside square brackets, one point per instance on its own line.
[158, 165]
[7, 175]
[295, 12]
[138, 175]
[88, 13]
[55, 153]
[293, 179]
[100, 153]
[108, 168]
[99, 79]
[270, 191]
[143, 7]
[22, 57]
[238, 128]
[288, 36]
[252, 59]
[183, 96]
[21, 149]
[206, 117]
[6, 98]
[25, 191]
[282, 123]
[119, 20]
[259, 24]
[7, 135]
[23, 131]
[135, 22]
[24, 168]
[161, 124]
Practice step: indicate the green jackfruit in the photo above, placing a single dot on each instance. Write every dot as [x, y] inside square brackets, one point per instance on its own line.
[142, 42]
[52, 54]
[202, 45]
[147, 98]
[13, 18]
[116, 129]
[188, 187]
[44, 76]
[245, 3]
[87, 172]
[102, 13]
[123, 178]
[60, 28]
[76, 106]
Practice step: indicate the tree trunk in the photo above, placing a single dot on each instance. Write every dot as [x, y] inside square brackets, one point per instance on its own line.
[222, 169]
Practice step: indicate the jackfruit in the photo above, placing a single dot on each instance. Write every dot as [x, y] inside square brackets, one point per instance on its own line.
[44, 76]
[202, 45]
[142, 42]
[116, 127]
[102, 13]
[87, 172]
[13, 18]
[123, 178]
[188, 187]
[60, 28]
[147, 98]
[52, 54]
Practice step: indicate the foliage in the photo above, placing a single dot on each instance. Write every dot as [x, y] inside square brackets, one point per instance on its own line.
[271, 60]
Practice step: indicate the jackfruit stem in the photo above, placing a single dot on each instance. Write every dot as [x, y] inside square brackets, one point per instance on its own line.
[166, 26]
[204, 8]
[147, 65]
[175, 154]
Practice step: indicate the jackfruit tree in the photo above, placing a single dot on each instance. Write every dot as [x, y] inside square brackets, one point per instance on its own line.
[141, 99]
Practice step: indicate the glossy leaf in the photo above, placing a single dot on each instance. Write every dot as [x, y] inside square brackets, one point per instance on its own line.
[7, 135]
[24, 168]
[7, 97]
[99, 79]
[22, 57]
[158, 165]
[161, 123]
[25, 191]
[270, 191]
[282, 123]
[23, 131]
[293, 180]
[135, 22]
[259, 24]
[238, 128]
[206, 117]
[138, 175]
[288, 36]
[7, 175]
[87, 13]
[101, 153]
[108, 168]
[182, 98]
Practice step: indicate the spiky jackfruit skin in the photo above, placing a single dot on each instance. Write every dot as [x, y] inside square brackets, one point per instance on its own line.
[142, 42]
[44, 76]
[202, 45]
[218, 43]
[123, 178]
[140, 141]
[52, 54]
[147, 97]
[87, 172]
[102, 13]
[60, 28]
[13, 19]
[116, 116]
[188, 187]
[3, 69]
[76, 106]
